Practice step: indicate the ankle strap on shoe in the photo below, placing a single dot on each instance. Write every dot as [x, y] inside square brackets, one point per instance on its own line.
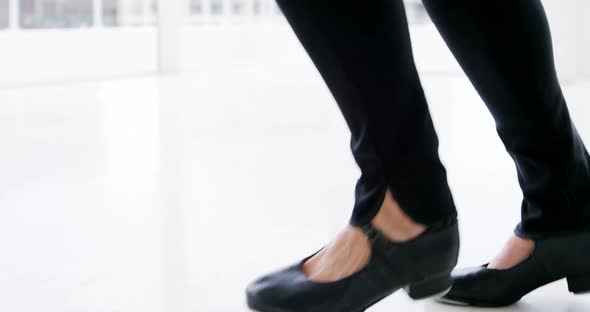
[372, 233]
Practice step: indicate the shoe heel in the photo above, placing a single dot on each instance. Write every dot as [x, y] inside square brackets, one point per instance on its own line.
[579, 284]
[436, 286]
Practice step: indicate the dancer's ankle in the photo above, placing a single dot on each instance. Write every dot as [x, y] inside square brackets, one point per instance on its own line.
[515, 251]
[394, 223]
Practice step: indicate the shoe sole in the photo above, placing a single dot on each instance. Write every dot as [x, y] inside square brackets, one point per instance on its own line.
[576, 285]
[437, 296]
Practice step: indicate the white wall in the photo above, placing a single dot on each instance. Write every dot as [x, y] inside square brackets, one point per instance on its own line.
[253, 46]
[584, 38]
[562, 16]
[50, 55]
[103, 52]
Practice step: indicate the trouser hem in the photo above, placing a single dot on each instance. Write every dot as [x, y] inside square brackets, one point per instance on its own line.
[539, 235]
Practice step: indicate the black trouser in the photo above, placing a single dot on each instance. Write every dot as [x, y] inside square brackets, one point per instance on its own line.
[362, 50]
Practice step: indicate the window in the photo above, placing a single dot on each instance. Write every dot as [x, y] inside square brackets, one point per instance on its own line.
[129, 12]
[257, 7]
[216, 7]
[4, 20]
[55, 13]
[231, 11]
[238, 7]
[196, 7]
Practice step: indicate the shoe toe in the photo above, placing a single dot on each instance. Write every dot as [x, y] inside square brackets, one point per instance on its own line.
[263, 292]
[272, 290]
[463, 286]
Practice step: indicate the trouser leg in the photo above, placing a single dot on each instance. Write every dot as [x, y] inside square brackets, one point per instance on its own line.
[505, 48]
[362, 50]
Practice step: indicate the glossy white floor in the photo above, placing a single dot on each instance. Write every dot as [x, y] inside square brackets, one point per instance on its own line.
[170, 194]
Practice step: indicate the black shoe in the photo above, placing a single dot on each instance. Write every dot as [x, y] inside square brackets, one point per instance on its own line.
[553, 259]
[421, 265]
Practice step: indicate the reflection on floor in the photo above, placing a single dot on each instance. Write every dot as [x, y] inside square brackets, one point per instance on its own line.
[170, 194]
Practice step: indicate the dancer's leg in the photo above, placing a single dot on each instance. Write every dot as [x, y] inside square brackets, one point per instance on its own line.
[363, 52]
[505, 48]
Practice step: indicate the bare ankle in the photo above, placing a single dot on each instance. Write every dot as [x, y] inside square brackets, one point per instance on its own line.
[515, 251]
[346, 254]
[394, 223]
